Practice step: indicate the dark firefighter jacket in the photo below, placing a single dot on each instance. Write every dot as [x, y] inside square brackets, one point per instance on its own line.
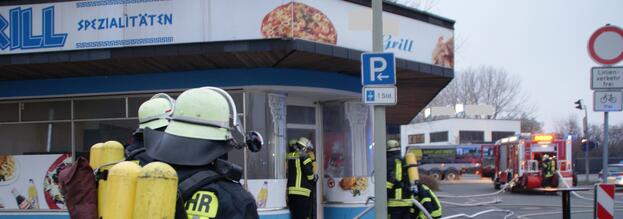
[300, 174]
[220, 198]
[429, 200]
[397, 182]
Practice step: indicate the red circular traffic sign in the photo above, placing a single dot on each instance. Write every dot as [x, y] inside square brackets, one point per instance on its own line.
[605, 47]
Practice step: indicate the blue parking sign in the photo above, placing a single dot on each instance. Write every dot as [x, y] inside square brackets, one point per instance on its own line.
[378, 69]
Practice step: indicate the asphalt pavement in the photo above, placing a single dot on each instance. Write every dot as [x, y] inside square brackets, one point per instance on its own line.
[521, 205]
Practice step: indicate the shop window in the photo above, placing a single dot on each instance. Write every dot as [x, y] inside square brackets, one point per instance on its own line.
[91, 132]
[301, 115]
[347, 150]
[266, 115]
[439, 136]
[416, 139]
[471, 136]
[9, 112]
[34, 137]
[99, 108]
[238, 98]
[499, 135]
[46, 111]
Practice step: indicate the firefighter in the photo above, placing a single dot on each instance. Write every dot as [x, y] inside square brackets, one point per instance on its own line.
[154, 114]
[312, 156]
[203, 127]
[399, 200]
[428, 199]
[300, 179]
[547, 170]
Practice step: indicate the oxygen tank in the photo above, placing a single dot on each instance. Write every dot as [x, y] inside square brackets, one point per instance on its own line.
[106, 153]
[95, 154]
[156, 192]
[120, 190]
[412, 167]
[312, 156]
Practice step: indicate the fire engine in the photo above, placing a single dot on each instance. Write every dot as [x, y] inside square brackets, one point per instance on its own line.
[519, 161]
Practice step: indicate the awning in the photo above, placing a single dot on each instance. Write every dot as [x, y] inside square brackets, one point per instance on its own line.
[417, 84]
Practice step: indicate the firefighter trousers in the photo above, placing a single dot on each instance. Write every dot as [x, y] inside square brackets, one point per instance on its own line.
[399, 212]
[300, 206]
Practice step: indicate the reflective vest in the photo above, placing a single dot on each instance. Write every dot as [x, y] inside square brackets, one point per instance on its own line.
[397, 183]
[300, 174]
[552, 168]
[429, 200]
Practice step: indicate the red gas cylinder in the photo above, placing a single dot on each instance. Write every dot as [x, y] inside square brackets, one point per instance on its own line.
[532, 181]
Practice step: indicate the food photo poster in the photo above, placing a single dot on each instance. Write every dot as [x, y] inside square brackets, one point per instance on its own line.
[30, 182]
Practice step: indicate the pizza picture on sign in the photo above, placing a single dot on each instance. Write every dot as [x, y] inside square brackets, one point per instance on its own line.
[298, 20]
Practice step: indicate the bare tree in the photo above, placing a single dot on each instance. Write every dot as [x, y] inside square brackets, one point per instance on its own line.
[568, 126]
[529, 124]
[487, 85]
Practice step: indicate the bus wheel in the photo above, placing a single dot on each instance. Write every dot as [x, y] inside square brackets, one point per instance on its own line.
[435, 173]
[452, 174]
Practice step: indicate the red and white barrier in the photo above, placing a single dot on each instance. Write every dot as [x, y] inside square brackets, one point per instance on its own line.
[604, 201]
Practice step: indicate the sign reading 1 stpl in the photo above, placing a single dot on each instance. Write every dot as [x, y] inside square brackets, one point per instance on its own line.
[378, 77]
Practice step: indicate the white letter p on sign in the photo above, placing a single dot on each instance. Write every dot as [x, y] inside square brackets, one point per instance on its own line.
[374, 69]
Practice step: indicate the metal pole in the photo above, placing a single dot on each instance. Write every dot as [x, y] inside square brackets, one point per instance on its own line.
[586, 165]
[566, 205]
[604, 173]
[380, 153]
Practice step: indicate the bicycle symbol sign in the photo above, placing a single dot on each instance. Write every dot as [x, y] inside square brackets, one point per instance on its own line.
[608, 98]
[607, 101]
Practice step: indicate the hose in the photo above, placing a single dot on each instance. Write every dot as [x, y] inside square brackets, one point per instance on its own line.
[508, 214]
[495, 201]
[557, 212]
[364, 212]
[422, 209]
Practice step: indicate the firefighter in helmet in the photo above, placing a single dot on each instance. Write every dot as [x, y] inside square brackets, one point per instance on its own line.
[154, 114]
[399, 199]
[204, 127]
[301, 179]
[547, 170]
[428, 200]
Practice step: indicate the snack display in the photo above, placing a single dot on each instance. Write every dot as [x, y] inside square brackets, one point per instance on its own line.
[356, 185]
[8, 169]
[299, 20]
[51, 189]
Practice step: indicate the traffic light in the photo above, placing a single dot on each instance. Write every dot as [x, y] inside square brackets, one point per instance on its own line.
[578, 104]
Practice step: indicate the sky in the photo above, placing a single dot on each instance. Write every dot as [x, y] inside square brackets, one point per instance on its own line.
[543, 43]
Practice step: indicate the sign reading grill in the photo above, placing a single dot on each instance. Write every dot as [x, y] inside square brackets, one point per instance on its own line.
[607, 78]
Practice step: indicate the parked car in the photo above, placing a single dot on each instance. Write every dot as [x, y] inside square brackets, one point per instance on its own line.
[615, 174]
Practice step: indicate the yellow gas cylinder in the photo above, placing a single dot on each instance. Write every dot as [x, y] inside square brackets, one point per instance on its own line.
[95, 154]
[412, 168]
[311, 155]
[156, 192]
[110, 152]
[120, 190]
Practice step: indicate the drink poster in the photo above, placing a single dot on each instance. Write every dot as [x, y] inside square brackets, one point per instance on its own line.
[31, 181]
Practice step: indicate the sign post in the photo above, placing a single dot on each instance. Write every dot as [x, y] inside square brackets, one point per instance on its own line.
[605, 46]
[380, 153]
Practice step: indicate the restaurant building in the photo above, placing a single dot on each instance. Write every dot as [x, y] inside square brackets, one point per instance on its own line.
[73, 73]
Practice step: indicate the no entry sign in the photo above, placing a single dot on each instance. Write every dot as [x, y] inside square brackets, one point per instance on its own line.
[606, 45]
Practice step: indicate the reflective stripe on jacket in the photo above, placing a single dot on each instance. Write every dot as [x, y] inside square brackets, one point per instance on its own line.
[299, 166]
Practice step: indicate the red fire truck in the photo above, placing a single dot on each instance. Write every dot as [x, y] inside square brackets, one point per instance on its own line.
[519, 161]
